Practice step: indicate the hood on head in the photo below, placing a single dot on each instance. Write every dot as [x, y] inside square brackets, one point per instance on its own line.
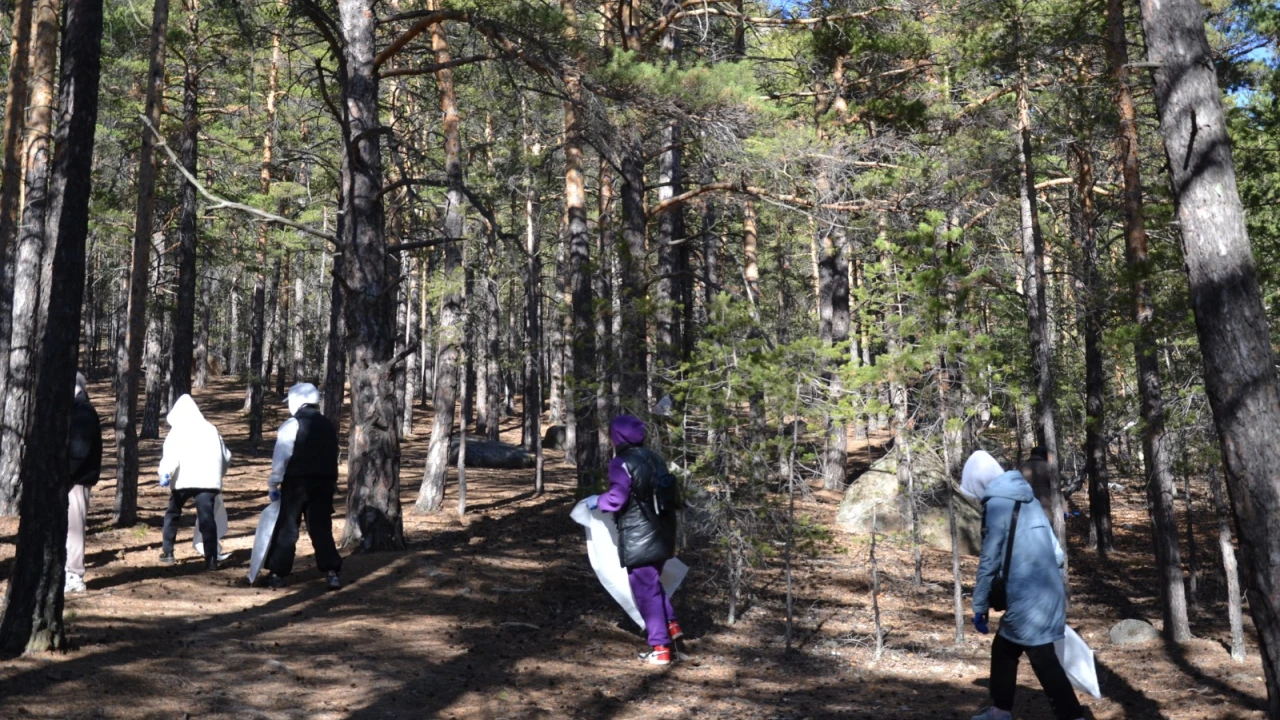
[1010, 485]
[183, 411]
[302, 394]
[626, 430]
[82, 385]
[979, 470]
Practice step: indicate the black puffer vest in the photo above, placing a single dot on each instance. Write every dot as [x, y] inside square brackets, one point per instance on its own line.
[645, 537]
[315, 451]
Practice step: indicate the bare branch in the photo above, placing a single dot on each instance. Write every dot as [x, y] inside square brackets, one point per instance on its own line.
[219, 203]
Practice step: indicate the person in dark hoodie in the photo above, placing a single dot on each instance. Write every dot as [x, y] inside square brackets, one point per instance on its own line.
[1036, 612]
[84, 453]
[646, 531]
[304, 478]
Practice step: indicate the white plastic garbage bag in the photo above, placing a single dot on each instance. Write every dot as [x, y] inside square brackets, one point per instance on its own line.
[219, 519]
[262, 538]
[1077, 659]
[602, 551]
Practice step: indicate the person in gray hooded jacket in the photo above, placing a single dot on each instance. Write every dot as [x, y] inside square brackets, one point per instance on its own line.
[1036, 597]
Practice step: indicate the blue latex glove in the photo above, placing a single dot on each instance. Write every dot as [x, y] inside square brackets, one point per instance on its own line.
[164, 480]
[980, 623]
[593, 502]
[273, 493]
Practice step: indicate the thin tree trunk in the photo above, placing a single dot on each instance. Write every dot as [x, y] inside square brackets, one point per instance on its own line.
[580, 392]
[34, 598]
[431, 495]
[373, 455]
[202, 336]
[750, 253]
[152, 360]
[606, 365]
[1230, 571]
[1037, 315]
[30, 255]
[335, 369]
[632, 345]
[129, 353]
[1095, 451]
[412, 340]
[184, 314]
[833, 329]
[532, 424]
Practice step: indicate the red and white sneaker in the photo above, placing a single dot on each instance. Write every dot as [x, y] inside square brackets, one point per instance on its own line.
[673, 629]
[661, 655]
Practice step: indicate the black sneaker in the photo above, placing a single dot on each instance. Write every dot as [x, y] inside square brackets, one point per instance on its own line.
[211, 564]
[333, 581]
[275, 582]
[166, 558]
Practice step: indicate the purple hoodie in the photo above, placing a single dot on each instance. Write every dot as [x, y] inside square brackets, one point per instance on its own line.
[623, 430]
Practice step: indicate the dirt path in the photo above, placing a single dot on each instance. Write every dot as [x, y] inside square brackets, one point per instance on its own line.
[498, 616]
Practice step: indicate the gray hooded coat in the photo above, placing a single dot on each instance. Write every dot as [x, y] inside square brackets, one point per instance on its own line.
[1037, 612]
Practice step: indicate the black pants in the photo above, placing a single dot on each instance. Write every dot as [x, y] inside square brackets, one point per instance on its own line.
[1004, 677]
[312, 497]
[204, 509]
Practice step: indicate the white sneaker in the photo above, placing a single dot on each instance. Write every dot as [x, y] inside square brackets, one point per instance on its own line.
[993, 713]
[73, 584]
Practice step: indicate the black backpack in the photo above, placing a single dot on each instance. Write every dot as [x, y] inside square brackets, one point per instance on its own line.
[653, 487]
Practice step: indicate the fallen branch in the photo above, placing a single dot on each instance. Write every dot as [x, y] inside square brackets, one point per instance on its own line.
[220, 203]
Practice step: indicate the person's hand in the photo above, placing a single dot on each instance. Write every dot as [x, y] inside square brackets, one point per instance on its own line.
[593, 502]
[273, 493]
[164, 480]
[980, 623]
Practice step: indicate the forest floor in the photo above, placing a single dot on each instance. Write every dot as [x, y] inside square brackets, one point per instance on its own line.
[497, 615]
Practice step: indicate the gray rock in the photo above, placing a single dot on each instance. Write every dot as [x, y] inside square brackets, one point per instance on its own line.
[555, 438]
[1129, 632]
[876, 493]
[489, 454]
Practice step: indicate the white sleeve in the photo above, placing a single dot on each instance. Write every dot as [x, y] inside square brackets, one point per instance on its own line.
[285, 437]
[169, 456]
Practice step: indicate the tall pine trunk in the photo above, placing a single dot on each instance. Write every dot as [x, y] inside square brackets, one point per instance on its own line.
[129, 351]
[632, 344]
[412, 340]
[29, 257]
[33, 601]
[581, 391]
[184, 313]
[1232, 324]
[373, 452]
[452, 316]
[833, 330]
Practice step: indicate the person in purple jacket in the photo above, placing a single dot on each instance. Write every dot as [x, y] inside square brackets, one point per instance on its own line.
[642, 496]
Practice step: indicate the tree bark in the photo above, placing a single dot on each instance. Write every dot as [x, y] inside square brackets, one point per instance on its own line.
[129, 352]
[532, 423]
[152, 359]
[34, 597]
[373, 502]
[412, 340]
[632, 344]
[260, 339]
[335, 368]
[1095, 449]
[1037, 315]
[606, 364]
[11, 192]
[431, 495]
[1232, 325]
[184, 313]
[1155, 444]
[1230, 570]
[30, 256]
[833, 330]
[750, 253]
[580, 391]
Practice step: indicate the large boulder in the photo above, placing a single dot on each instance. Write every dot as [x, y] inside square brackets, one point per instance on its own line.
[490, 454]
[877, 494]
[1130, 632]
[555, 438]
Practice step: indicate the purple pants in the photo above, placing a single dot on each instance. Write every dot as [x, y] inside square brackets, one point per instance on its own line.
[652, 602]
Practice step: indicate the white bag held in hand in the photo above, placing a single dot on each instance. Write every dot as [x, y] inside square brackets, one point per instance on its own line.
[1077, 659]
[602, 551]
[262, 538]
[219, 519]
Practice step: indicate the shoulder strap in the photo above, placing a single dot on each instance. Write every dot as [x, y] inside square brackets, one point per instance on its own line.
[1013, 531]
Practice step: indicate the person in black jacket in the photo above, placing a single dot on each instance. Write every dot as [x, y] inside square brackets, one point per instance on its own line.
[304, 478]
[646, 531]
[84, 454]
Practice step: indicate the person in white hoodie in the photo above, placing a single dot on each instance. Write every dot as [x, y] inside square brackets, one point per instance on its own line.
[194, 461]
